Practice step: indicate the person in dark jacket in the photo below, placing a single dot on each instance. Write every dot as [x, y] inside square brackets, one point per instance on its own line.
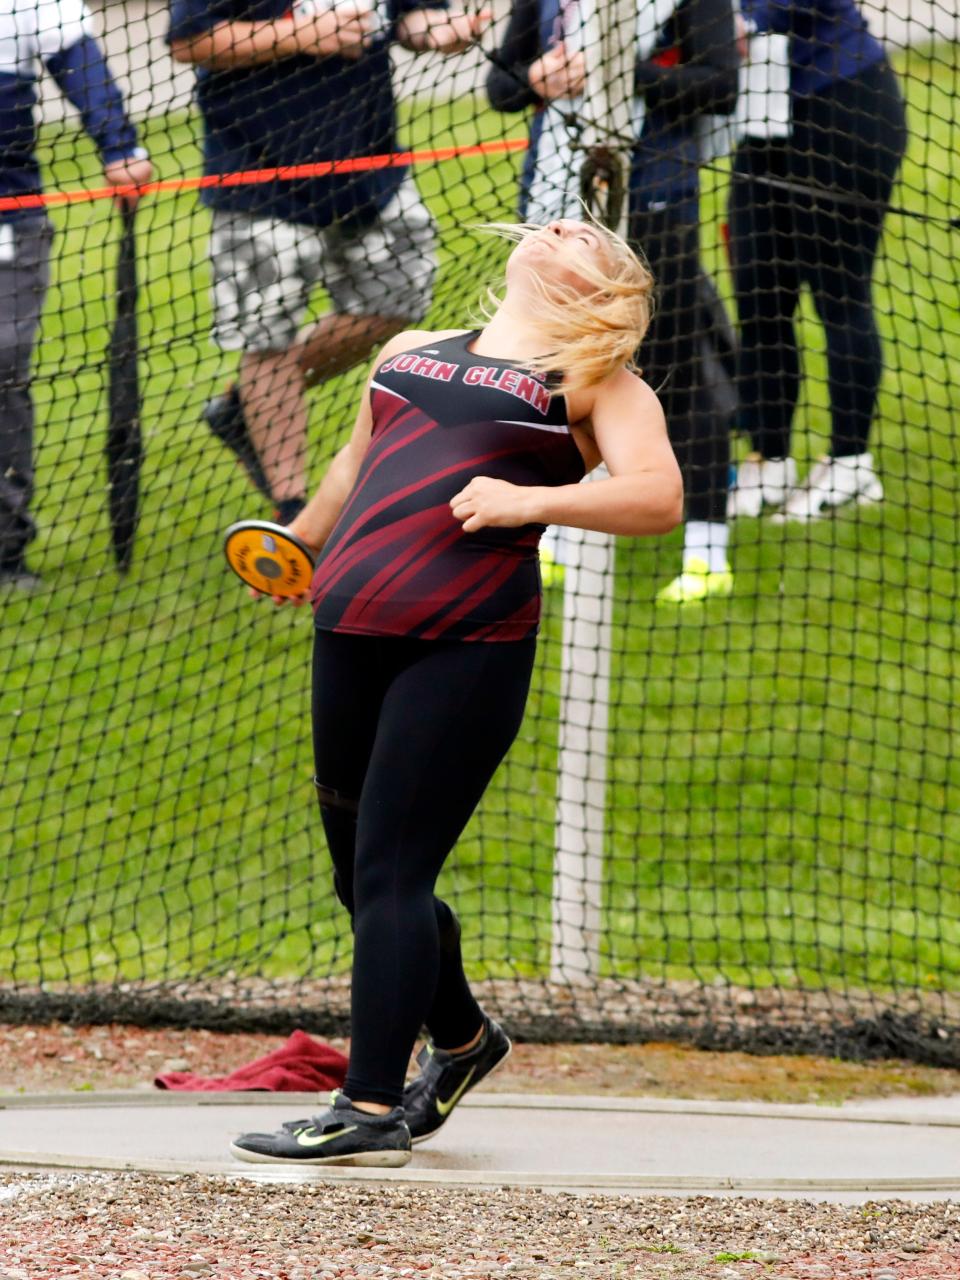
[847, 136]
[686, 70]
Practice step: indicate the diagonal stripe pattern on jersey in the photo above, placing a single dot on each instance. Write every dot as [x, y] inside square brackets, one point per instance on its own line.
[397, 561]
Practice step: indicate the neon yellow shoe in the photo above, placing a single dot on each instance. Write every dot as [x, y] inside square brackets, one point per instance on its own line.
[552, 571]
[696, 583]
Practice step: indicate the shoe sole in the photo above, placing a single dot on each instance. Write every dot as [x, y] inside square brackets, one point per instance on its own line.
[366, 1159]
[425, 1137]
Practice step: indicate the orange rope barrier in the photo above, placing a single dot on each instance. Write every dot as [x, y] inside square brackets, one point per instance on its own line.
[251, 177]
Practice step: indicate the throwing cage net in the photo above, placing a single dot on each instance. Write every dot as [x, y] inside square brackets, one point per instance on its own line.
[729, 819]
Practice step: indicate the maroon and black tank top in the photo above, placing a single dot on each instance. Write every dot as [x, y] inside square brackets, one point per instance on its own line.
[397, 562]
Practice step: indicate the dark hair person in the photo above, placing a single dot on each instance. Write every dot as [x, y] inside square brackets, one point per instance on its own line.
[808, 209]
[426, 598]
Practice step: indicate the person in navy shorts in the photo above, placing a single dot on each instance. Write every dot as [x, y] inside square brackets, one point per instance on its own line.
[426, 601]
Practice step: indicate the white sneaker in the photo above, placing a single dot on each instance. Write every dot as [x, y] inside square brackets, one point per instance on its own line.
[832, 483]
[761, 482]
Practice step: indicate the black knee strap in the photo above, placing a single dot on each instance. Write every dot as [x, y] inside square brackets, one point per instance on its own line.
[331, 797]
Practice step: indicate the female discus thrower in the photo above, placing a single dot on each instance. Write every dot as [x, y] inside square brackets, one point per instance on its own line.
[427, 599]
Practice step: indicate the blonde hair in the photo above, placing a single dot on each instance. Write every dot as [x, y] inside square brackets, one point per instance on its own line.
[592, 334]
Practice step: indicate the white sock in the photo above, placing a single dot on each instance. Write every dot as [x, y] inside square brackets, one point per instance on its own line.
[706, 540]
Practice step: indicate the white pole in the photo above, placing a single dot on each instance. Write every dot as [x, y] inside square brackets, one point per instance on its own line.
[582, 756]
[588, 588]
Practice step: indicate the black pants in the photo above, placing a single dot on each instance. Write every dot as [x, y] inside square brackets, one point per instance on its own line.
[850, 137]
[674, 357]
[407, 735]
[24, 275]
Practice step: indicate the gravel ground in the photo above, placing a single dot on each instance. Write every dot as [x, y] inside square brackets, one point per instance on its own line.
[136, 1227]
[140, 1227]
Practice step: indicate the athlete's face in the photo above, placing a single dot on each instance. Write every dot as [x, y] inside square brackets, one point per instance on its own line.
[555, 253]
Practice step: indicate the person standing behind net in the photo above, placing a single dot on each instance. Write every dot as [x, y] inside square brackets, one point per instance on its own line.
[848, 135]
[59, 35]
[685, 75]
[427, 601]
[277, 88]
[540, 62]
[686, 70]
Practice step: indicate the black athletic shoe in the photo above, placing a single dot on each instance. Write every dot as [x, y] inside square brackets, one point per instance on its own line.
[339, 1135]
[445, 1077]
[224, 416]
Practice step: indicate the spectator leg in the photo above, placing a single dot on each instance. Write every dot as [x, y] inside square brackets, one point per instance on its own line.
[840, 279]
[766, 284]
[24, 274]
[271, 391]
[851, 138]
[671, 359]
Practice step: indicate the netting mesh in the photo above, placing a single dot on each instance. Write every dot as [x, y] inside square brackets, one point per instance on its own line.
[767, 852]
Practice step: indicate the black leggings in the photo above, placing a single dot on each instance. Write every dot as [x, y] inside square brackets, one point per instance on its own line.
[407, 735]
[851, 137]
[674, 360]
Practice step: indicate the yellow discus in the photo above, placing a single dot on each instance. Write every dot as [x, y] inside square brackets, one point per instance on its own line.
[268, 557]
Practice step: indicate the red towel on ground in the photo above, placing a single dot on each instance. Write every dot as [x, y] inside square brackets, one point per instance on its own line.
[302, 1065]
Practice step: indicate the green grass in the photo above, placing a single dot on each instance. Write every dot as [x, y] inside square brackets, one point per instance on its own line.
[782, 764]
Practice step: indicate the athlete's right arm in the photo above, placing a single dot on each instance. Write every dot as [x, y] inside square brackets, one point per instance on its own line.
[316, 520]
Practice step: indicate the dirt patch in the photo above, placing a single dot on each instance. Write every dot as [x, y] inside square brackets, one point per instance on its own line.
[60, 1057]
[138, 1227]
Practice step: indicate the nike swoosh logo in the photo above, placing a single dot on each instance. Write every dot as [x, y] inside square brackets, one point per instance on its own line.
[444, 1108]
[304, 1139]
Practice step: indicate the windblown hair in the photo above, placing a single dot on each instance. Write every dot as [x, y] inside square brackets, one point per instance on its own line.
[588, 335]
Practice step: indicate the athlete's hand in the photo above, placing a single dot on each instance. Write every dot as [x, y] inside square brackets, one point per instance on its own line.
[128, 175]
[488, 503]
[296, 601]
[442, 30]
[558, 74]
[460, 31]
[344, 30]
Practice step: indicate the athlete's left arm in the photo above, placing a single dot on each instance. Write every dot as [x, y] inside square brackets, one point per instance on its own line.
[642, 495]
